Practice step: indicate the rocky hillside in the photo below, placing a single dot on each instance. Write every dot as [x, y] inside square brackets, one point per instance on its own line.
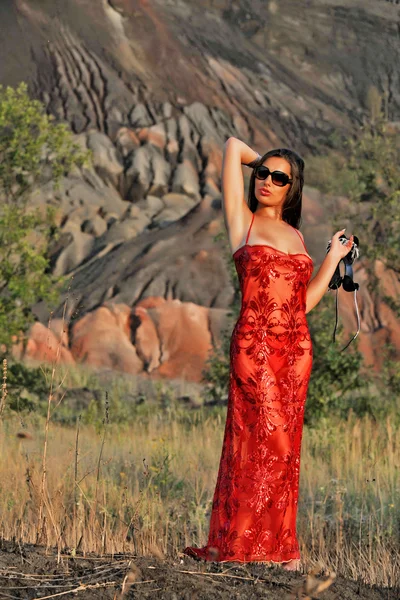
[154, 88]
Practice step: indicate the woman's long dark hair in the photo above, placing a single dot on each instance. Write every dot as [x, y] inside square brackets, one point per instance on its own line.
[291, 212]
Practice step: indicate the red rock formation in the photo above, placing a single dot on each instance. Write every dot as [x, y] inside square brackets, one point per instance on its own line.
[48, 344]
[102, 339]
[171, 340]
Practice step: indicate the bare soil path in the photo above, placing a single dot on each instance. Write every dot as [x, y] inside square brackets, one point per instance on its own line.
[27, 572]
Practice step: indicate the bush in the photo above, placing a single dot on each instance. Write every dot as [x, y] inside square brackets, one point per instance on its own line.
[33, 150]
[337, 382]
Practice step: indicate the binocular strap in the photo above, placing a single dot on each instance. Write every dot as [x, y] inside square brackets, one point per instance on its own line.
[337, 317]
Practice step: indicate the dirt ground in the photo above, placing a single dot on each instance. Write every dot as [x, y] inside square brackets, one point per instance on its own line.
[28, 572]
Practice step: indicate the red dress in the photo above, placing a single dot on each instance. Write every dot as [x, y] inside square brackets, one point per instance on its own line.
[254, 506]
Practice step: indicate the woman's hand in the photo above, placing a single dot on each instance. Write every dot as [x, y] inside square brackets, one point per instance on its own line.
[337, 249]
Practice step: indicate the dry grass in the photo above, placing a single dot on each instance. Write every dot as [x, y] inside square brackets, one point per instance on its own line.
[147, 489]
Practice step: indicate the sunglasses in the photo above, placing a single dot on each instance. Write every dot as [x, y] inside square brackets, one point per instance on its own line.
[278, 177]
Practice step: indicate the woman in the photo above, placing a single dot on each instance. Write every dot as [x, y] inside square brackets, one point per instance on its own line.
[254, 506]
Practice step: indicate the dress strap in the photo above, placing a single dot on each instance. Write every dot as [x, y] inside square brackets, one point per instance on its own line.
[300, 238]
[248, 233]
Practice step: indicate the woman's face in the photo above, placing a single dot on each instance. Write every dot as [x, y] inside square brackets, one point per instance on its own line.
[277, 195]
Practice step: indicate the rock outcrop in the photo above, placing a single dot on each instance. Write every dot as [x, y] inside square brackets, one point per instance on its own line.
[159, 338]
[154, 89]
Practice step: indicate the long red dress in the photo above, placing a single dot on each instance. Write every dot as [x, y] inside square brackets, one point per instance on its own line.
[254, 506]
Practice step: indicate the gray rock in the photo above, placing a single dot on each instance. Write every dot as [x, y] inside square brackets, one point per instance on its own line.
[75, 253]
[95, 226]
[148, 173]
[139, 116]
[126, 141]
[186, 180]
[125, 230]
[104, 156]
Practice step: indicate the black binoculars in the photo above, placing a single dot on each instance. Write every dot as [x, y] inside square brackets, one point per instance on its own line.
[349, 285]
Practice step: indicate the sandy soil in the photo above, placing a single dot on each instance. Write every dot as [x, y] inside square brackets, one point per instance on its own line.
[29, 572]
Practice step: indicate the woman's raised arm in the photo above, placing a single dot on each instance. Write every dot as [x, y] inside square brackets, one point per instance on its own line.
[237, 214]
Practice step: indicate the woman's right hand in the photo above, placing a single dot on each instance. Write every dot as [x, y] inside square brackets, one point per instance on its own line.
[337, 249]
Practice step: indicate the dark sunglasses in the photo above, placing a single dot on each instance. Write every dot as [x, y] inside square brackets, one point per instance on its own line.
[278, 177]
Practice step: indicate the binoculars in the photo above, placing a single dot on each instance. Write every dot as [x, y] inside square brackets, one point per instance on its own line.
[347, 281]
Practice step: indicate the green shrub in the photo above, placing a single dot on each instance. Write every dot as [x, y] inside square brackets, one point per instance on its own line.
[33, 151]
